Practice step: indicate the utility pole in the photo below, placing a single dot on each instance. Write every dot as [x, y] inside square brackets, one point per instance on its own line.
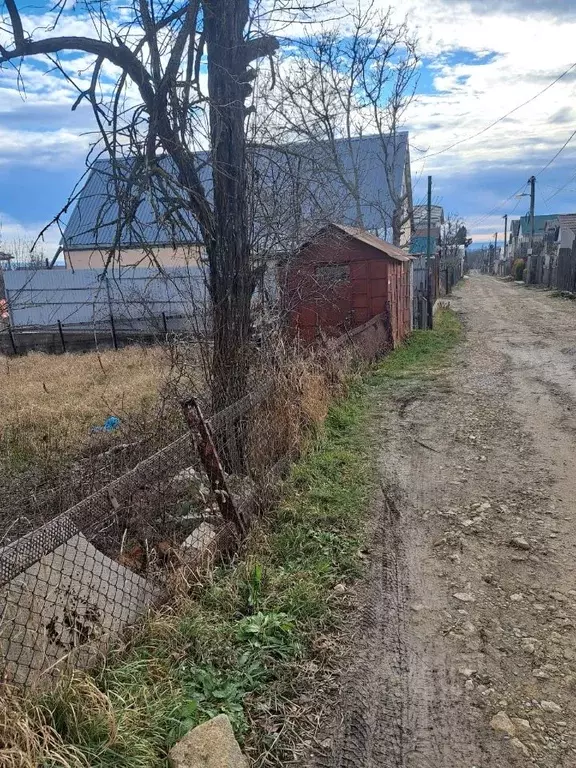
[505, 217]
[532, 182]
[429, 251]
[495, 247]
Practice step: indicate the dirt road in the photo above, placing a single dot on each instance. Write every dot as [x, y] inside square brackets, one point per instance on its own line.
[465, 650]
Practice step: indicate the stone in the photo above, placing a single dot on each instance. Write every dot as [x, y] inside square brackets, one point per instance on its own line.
[464, 597]
[517, 597]
[558, 596]
[541, 674]
[519, 543]
[210, 745]
[520, 746]
[339, 589]
[521, 724]
[469, 685]
[550, 706]
[466, 671]
[501, 722]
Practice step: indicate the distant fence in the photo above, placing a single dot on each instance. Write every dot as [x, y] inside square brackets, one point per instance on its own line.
[443, 276]
[111, 334]
[70, 585]
[86, 297]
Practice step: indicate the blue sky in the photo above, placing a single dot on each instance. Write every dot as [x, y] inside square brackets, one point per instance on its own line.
[481, 58]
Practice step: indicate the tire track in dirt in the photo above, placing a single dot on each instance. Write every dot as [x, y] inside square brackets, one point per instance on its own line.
[428, 671]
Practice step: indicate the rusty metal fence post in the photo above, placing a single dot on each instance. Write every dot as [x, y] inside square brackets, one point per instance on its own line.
[208, 454]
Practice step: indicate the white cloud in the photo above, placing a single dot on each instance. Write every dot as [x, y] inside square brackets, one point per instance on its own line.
[17, 238]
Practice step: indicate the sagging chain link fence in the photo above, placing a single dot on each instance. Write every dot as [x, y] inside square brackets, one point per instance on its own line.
[70, 586]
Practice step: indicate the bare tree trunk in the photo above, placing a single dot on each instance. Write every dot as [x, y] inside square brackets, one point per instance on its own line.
[231, 275]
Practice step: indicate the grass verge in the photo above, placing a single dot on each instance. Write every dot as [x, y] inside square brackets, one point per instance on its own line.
[253, 638]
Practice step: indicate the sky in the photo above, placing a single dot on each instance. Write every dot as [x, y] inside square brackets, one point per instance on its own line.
[480, 60]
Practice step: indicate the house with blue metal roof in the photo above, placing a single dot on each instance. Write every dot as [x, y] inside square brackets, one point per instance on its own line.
[363, 182]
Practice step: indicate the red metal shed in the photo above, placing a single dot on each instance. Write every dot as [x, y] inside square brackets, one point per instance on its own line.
[345, 276]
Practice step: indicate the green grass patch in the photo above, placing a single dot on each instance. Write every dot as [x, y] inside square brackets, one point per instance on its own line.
[241, 644]
[424, 352]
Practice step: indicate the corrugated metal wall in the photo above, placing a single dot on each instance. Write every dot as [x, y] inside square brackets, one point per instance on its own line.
[85, 297]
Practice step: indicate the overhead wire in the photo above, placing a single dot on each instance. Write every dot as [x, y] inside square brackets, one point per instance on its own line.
[503, 117]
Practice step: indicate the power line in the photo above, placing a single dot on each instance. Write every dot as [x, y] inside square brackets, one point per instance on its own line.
[562, 148]
[500, 119]
[498, 206]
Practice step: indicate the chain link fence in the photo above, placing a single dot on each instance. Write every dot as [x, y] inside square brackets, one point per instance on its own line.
[71, 585]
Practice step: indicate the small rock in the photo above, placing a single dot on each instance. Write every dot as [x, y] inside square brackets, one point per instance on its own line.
[519, 543]
[469, 685]
[466, 672]
[481, 458]
[558, 596]
[550, 706]
[518, 558]
[501, 722]
[522, 747]
[339, 589]
[541, 674]
[464, 597]
[417, 607]
[486, 505]
[520, 724]
[517, 597]
[210, 745]
[455, 557]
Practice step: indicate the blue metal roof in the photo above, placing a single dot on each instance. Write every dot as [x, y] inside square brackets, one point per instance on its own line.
[540, 222]
[359, 187]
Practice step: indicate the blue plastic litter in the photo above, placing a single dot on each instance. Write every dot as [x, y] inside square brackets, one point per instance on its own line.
[111, 423]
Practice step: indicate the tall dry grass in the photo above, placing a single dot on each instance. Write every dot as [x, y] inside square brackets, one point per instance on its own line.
[49, 403]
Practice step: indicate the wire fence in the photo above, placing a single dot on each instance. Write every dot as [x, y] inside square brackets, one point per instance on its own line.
[71, 585]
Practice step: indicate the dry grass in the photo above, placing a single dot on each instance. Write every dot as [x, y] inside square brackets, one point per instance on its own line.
[48, 403]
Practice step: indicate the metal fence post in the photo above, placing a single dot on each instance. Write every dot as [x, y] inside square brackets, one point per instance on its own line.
[61, 332]
[211, 463]
[12, 341]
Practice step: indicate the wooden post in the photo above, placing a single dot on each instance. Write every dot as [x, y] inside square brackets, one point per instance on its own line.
[211, 463]
[61, 332]
[165, 323]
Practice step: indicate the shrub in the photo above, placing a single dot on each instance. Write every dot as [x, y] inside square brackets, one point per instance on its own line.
[518, 269]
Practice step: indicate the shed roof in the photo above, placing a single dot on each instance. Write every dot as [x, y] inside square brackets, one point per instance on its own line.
[338, 178]
[392, 251]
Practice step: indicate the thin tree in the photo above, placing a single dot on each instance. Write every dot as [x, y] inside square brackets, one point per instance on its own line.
[164, 79]
[340, 83]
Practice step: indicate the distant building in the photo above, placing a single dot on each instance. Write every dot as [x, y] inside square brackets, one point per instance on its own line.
[420, 216]
[520, 233]
[419, 242]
